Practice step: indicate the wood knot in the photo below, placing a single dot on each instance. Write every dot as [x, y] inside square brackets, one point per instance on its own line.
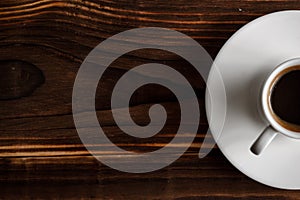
[18, 79]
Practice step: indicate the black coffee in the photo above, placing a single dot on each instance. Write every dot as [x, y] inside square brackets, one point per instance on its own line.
[285, 97]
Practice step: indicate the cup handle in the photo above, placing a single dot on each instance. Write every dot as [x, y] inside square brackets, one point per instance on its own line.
[263, 140]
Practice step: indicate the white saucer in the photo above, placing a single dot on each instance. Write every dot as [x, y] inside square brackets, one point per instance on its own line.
[244, 62]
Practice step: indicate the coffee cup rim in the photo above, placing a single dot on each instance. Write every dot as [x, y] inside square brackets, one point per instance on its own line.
[265, 95]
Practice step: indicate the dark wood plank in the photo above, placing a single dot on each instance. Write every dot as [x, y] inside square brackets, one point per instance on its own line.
[41, 153]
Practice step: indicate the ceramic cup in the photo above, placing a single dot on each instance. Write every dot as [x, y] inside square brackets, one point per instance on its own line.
[276, 124]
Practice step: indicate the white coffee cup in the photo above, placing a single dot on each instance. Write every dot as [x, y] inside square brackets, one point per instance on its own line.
[276, 124]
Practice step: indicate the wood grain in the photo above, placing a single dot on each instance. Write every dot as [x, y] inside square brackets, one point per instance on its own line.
[18, 79]
[41, 154]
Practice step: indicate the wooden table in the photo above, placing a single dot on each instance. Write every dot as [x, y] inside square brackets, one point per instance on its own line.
[42, 45]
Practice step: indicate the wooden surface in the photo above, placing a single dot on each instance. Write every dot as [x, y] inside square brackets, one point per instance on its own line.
[41, 153]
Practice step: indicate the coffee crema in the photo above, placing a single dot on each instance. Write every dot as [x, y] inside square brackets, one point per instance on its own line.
[284, 98]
